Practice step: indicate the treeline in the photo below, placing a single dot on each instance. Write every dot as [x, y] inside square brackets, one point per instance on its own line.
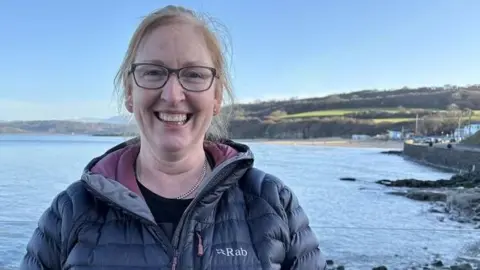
[330, 127]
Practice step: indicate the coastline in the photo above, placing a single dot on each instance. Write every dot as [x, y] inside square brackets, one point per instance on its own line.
[324, 142]
[332, 142]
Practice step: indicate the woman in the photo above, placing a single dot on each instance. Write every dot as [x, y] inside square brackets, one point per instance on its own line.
[178, 197]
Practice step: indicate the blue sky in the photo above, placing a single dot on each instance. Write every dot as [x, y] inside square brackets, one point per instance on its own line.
[59, 57]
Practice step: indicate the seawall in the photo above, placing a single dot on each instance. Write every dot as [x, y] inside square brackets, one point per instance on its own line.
[455, 159]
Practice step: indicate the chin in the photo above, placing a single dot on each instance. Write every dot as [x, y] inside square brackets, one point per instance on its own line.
[175, 144]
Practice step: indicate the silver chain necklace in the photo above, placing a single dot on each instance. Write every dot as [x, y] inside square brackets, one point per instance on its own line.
[197, 184]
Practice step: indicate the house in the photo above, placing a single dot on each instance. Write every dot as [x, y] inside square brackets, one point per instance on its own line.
[358, 137]
[466, 131]
[395, 135]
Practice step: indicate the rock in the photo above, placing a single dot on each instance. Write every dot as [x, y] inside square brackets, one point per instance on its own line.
[437, 263]
[340, 267]
[398, 193]
[392, 152]
[348, 179]
[438, 207]
[421, 195]
[330, 262]
[464, 206]
[468, 180]
[382, 267]
[465, 266]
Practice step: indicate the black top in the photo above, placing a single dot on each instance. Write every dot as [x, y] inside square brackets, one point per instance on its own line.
[167, 212]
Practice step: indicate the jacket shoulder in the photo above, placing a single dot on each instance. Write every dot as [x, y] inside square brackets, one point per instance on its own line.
[72, 202]
[258, 182]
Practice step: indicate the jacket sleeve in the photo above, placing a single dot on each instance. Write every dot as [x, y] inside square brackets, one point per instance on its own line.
[45, 246]
[303, 252]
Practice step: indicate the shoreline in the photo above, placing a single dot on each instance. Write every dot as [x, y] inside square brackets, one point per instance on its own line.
[332, 142]
[325, 142]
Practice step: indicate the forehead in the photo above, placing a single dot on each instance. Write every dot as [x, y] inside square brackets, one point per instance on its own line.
[175, 45]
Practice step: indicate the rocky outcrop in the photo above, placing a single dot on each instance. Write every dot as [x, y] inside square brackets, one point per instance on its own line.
[457, 197]
[422, 195]
[392, 152]
[468, 180]
[464, 206]
[436, 264]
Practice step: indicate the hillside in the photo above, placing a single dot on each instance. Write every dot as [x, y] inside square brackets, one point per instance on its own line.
[432, 98]
[439, 110]
[472, 140]
[65, 127]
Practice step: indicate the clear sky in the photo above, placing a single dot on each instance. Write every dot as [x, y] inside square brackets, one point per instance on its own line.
[59, 57]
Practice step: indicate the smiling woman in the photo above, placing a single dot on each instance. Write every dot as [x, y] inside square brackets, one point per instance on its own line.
[181, 195]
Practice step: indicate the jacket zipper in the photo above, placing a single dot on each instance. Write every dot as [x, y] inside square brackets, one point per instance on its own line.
[200, 250]
[215, 177]
[174, 260]
[178, 231]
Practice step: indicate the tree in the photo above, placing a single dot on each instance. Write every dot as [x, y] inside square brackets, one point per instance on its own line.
[453, 107]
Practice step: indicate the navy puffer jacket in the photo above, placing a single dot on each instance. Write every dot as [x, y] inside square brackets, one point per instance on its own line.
[242, 219]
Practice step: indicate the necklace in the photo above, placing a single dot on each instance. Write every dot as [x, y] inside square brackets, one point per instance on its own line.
[197, 184]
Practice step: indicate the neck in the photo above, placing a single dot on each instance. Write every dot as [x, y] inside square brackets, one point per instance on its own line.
[170, 175]
[172, 164]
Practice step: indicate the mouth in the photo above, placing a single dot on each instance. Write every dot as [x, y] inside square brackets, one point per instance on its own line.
[178, 119]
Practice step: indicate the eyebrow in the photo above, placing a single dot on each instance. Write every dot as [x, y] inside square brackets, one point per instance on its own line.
[186, 64]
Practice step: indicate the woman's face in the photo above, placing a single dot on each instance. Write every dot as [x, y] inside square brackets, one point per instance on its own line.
[173, 118]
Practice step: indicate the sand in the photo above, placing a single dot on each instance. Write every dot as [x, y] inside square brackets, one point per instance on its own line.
[338, 142]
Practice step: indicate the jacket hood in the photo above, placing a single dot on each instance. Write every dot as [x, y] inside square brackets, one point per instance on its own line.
[111, 175]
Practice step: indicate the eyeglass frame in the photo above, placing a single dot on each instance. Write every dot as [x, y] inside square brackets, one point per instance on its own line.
[171, 71]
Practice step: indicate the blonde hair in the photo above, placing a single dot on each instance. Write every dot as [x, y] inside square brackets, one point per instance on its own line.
[174, 14]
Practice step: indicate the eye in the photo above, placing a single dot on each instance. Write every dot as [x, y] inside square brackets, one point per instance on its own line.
[195, 74]
[151, 72]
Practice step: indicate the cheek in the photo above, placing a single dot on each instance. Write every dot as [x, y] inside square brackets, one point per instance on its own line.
[143, 99]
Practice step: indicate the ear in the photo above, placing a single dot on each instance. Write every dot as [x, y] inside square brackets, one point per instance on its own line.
[218, 100]
[128, 99]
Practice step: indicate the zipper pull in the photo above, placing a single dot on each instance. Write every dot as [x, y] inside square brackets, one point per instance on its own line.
[200, 245]
[174, 260]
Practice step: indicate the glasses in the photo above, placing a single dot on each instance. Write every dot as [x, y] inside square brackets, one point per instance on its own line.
[192, 78]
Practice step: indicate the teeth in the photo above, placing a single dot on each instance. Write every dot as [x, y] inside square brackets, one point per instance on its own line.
[173, 117]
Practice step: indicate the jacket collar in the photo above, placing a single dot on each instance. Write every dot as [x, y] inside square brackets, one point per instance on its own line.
[111, 177]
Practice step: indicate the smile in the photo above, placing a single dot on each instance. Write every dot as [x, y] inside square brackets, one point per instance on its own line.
[173, 118]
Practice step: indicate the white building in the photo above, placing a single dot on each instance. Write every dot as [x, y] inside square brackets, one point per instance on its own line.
[360, 137]
[466, 131]
[395, 135]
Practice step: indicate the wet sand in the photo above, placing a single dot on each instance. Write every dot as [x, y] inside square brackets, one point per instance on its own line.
[337, 142]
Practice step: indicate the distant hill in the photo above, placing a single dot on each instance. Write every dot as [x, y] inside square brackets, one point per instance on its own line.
[371, 112]
[111, 120]
[66, 127]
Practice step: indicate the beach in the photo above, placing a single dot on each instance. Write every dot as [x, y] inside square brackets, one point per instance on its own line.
[337, 142]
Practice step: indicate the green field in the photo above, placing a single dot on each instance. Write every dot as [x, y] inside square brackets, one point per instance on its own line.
[340, 113]
[393, 120]
[327, 113]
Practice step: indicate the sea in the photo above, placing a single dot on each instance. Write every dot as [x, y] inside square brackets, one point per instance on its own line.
[358, 224]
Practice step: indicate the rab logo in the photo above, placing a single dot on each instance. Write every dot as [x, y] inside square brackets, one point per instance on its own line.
[229, 252]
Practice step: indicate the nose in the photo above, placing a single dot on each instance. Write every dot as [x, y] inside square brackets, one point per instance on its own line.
[172, 91]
